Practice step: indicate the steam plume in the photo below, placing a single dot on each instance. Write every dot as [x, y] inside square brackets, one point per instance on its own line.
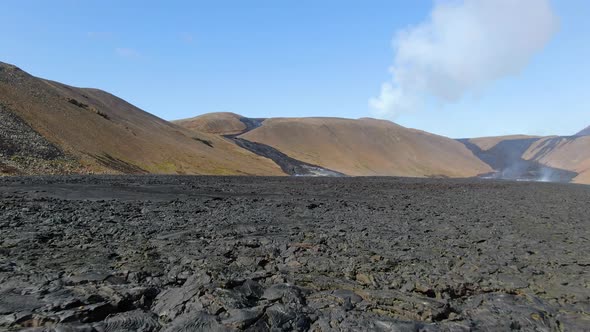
[463, 46]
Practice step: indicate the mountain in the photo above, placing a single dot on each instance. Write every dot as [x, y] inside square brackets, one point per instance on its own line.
[49, 127]
[506, 156]
[365, 147]
[378, 147]
[520, 157]
[569, 153]
[222, 123]
[584, 132]
[486, 143]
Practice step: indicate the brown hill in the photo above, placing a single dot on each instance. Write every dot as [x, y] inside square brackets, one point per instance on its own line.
[222, 123]
[512, 153]
[570, 153]
[88, 130]
[486, 143]
[49, 127]
[367, 147]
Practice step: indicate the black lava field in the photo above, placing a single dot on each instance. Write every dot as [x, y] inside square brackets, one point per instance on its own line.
[164, 253]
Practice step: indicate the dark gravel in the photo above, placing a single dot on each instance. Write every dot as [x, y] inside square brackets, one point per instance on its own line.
[279, 254]
[289, 165]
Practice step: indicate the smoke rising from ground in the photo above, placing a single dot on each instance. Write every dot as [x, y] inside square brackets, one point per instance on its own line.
[463, 47]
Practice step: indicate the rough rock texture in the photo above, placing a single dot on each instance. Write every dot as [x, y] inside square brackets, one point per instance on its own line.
[281, 254]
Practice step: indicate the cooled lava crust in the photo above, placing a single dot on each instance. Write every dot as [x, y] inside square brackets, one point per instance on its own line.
[157, 253]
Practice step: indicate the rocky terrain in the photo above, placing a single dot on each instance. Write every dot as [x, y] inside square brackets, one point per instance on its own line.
[162, 253]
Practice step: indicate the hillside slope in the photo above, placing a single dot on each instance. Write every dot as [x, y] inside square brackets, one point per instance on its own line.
[486, 143]
[584, 132]
[221, 123]
[507, 159]
[367, 147]
[554, 158]
[570, 153]
[89, 130]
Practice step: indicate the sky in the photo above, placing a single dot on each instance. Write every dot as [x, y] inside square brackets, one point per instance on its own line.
[299, 58]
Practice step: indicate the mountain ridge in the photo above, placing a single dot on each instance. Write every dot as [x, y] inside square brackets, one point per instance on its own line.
[366, 147]
[584, 132]
[49, 127]
[105, 134]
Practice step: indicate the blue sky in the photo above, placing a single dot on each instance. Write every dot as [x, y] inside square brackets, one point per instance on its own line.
[270, 58]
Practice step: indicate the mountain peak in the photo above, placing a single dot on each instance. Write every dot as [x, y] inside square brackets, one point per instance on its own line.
[221, 123]
[49, 127]
[10, 72]
[584, 132]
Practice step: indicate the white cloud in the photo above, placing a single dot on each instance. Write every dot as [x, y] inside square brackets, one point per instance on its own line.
[464, 46]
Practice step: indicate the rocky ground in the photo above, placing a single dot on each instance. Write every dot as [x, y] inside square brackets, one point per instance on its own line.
[280, 254]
